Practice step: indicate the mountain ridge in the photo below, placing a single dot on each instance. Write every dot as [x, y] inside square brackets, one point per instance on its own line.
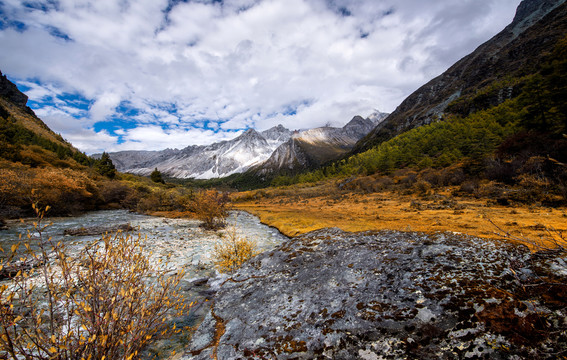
[502, 56]
[250, 150]
[314, 147]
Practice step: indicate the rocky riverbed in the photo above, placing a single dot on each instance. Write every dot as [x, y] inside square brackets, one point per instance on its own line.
[174, 243]
[331, 294]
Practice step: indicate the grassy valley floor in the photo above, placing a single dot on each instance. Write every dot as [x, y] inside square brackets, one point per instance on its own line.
[296, 210]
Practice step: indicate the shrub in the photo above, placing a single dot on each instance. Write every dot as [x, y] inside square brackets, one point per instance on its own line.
[100, 304]
[422, 188]
[233, 252]
[469, 187]
[115, 191]
[211, 207]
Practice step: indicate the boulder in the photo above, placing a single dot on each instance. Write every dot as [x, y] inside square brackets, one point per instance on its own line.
[331, 294]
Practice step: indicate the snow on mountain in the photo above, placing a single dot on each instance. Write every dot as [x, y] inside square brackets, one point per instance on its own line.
[314, 147]
[205, 162]
[272, 149]
[377, 117]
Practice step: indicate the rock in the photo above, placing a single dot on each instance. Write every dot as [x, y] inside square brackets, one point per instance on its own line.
[97, 230]
[199, 281]
[387, 295]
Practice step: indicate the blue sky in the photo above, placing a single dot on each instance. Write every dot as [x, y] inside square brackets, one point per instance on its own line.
[154, 74]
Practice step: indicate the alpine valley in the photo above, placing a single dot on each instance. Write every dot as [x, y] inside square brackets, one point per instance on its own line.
[435, 232]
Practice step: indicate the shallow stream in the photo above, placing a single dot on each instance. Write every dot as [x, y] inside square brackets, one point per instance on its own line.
[182, 242]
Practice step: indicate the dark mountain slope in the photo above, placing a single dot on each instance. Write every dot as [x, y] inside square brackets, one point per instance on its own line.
[39, 166]
[26, 138]
[516, 51]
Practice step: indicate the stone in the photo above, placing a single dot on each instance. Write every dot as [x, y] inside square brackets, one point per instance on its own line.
[331, 294]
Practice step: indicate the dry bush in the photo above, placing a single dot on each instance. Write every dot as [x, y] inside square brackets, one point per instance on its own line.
[422, 188]
[469, 187]
[405, 178]
[432, 176]
[453, 176]
[67, 191]
[367, 184]
[159, 199]
[108, 302]
[233, 252]
[115, 192]
[211, 207]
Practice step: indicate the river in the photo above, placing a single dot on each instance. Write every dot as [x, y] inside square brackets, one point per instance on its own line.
[182, 242]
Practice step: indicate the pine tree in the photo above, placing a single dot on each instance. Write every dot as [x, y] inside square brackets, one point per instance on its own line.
[156, 176]
[105, 167]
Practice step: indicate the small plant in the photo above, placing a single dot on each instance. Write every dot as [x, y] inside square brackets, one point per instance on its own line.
[553, 239]
[233, 252]
[108, 302]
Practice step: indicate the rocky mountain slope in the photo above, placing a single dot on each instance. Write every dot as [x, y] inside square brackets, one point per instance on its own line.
[330, 294]
[267, 152]
[516, 51]
[205, 162]
[314, 147]
[23, 136]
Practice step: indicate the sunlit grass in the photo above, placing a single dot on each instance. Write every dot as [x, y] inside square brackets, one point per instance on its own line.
[295, 213]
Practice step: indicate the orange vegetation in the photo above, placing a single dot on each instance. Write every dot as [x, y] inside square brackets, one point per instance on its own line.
[62, 189]
[297, 210]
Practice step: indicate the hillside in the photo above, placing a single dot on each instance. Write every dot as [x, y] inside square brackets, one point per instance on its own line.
[25, 137]
[39, 166]
[507, 129]
[517, 51]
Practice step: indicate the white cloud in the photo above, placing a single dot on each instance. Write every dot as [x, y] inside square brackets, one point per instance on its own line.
[153, 137]
[242, 63]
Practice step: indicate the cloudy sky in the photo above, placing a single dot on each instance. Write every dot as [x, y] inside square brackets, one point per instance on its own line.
[154, 74]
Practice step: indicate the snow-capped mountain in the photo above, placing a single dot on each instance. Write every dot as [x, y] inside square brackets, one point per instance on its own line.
[314, 147]
[205, 162]
[267, 152]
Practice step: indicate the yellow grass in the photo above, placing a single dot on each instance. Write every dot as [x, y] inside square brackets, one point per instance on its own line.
[294, 214]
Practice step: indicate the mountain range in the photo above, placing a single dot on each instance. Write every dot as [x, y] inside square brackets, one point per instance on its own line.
[268, 152]
[495, 72]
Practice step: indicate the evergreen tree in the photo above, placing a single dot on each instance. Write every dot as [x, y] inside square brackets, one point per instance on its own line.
[156, 176]
[104, 166]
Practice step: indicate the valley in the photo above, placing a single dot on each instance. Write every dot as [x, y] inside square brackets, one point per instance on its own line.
[438, 231]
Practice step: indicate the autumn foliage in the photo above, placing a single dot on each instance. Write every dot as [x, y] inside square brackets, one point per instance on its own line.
[233, 252]
[211, 207]
[108, 302]
[65, 190]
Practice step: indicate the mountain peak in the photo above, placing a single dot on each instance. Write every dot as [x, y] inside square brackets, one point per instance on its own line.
[377, 117]
[358, 121]
[250, 133]
[277, 133]
[530, 11]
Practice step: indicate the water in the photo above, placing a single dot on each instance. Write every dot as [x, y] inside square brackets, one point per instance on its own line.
[181, 242]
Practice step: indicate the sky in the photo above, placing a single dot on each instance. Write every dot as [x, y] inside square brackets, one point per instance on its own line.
[112, 75]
